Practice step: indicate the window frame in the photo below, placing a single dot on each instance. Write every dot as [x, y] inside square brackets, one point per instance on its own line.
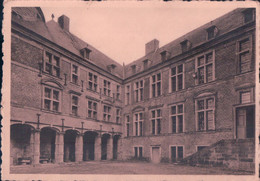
[127, 94]
[252, 10]
[138, 151]
[205, 110]
[249, 50]
[107, 114]
[138, 91]
[177, 114]
[118, 92]
[127, 122]
[177, 80]
[92, 109]
[204, 66]
[51, 63]
[107, 88]
[51, 99]
[155, 119]
[118, 116]
[139, 130]
[74, 105]
[177, 158]
[94, 84]
[75, 74]
[156, 86]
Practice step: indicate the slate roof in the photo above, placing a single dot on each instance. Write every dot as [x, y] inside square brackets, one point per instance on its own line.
[53, 32]
[225, 23]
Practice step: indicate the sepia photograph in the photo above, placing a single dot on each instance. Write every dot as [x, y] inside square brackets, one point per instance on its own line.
[114, 89]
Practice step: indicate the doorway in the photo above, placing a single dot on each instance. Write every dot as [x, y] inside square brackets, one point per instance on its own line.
[156, 154]
[245, 122]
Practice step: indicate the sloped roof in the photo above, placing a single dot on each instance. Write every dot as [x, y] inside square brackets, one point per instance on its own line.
[224, 24]
[53, 32]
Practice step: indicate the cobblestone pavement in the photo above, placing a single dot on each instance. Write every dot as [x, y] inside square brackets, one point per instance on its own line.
[116, 167]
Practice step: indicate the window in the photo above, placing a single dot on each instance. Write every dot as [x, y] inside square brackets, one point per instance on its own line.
[205, 114]
[245, 97]
[74, 105]
[51, 99]
[156, 121]
[145, 64]
[205, 66]
[177, 117]
[138, 124]
[74, 74]
[118, 116]
[248, 15]
[127, 125]
[107, 113]
[163, 56]
[138, 151]
[177, 78]
[85, 52]
[212, 32]
[52, 64]
[127, 96]
[118, 92]
[156, 85]
[133, 67]
[92, 109]
[92, 82]
[244, 55]
[139, 91]
[107, 88]
[185, 46]
[176, 153]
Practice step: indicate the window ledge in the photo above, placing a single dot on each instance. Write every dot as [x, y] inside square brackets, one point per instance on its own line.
[50, 75]
[241, 74]
[50, 111]
[75, 116]
[92, 91]
[178, 91]
[76, 84]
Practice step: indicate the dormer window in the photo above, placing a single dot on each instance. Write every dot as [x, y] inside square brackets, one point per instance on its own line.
[111, 68]
[248, 15]
[85, 52]
[145, 64]
[185, 45]
[165, 55]
[133, 67]
[212, 32]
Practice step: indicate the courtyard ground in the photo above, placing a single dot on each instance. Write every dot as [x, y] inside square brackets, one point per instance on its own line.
[117, 167]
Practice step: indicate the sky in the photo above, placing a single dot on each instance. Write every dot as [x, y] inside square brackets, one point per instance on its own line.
[121, 31]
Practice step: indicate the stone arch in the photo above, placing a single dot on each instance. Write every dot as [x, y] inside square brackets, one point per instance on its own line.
[21, 142]
[105, 145]
[70, 137]
[89, 145]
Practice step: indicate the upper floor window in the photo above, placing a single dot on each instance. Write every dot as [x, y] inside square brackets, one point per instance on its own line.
[127, 96]
[177, 117]
[185, 45]
[74, 105]
[138, 124]
[156, 85]
[177, 78]
[156, 121]
[107, 88]
[52, 64]
[75, 74]
[139, 90]
[85, 52]
[127, 125]
[212, 32]
[205, 114]
[92, 109]
[145, 62]
[248, 15]
[118, 116]
[106, 113]
[133, 67]
[205, 66]
[118, 90]
[92, 81]
[51, 99]
[244, 55]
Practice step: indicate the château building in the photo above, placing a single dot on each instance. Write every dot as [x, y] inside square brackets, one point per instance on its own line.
[70, 102]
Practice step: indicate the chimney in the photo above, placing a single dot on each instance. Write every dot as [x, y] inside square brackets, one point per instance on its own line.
[151, 46]
[64, 22]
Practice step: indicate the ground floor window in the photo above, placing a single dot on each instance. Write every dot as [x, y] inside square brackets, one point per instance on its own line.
[138, 152]
[176, 153]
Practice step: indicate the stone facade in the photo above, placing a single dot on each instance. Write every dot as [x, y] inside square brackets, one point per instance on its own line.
[76, 104]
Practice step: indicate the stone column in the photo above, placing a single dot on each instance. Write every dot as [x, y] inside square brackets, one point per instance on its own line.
[36, 147]
[79, 148]
[97, 149]
[59, 148]
[110, 148]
